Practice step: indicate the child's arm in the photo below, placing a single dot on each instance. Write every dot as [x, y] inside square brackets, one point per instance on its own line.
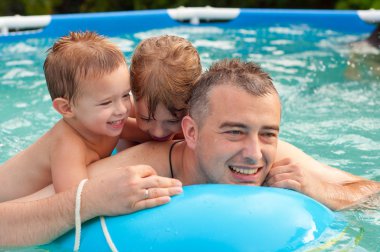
[68, 163]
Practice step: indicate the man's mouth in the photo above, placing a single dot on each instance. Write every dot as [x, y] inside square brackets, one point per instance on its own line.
[245, 170]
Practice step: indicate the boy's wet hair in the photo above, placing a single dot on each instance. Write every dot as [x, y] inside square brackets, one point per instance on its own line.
[245, 75]
[76, 57]
[164, 70]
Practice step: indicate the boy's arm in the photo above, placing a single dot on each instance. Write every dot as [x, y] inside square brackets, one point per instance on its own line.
[335, 188]
[68, 163]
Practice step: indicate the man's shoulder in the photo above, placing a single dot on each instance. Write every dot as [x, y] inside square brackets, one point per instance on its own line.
[160, 146]
[153, 149]
[155, 154]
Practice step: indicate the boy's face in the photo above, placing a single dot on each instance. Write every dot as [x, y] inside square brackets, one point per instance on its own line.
[163, 126]
[104, 103]
[238, 141]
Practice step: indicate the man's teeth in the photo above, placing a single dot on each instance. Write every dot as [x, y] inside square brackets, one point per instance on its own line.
[244, 171]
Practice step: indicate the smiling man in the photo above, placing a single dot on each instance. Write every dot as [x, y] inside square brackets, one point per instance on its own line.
[237, 111]
[231, 136]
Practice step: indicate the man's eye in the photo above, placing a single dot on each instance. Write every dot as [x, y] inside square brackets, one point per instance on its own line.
[269, 134]
[235, 132]
[145, 119]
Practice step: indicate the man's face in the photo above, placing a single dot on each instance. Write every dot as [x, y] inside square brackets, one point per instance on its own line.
[238, 140]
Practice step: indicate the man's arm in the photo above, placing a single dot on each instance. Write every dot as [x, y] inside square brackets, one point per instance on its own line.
[48, 218]
[334, 188]
[120, 191]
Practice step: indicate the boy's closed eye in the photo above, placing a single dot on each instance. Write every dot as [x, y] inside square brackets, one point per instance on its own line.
[145, 119]
[105, 103]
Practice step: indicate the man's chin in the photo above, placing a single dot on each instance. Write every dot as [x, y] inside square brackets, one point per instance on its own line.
[244, 182]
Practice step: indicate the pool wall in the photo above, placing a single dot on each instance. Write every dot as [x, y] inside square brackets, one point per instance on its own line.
[114, 23]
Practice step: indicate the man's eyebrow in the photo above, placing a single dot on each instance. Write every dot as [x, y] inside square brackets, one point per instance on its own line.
[233, 124]
[272, 127]
[243, 126]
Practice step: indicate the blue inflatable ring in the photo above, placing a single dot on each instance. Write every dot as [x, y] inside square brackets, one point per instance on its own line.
[212, 218]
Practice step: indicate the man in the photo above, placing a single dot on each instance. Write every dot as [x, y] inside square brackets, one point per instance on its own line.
[231, 136]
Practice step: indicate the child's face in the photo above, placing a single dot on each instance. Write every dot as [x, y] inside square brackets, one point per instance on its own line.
[164, 125]
[104, 103]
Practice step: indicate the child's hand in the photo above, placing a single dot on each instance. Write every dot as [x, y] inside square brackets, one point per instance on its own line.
[123, 191]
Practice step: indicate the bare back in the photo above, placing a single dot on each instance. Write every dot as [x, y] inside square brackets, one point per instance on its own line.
[31, 169]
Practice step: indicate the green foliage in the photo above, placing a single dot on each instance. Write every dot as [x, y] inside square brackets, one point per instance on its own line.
[11, 7]
[39, 7]
[357, 5]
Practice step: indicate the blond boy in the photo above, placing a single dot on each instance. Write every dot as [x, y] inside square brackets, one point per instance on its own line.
[88, 80]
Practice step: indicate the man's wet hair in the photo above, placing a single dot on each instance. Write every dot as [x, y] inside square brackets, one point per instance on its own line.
[234, 72]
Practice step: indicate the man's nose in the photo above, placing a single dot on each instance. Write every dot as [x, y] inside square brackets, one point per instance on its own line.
[252, 149]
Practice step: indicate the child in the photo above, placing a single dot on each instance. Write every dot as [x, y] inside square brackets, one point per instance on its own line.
[163, 70]
[88, 80]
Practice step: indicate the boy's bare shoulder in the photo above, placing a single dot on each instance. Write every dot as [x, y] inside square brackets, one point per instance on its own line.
[64, 140]
[62, 133]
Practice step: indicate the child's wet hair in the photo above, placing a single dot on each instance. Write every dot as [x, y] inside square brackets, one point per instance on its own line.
[164, 70]
[76, 57]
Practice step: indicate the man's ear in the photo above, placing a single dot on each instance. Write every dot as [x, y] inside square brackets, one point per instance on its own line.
[62, 106]
[190, 131]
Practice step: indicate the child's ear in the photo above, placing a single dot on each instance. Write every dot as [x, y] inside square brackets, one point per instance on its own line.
[190, 131]
[63, 107]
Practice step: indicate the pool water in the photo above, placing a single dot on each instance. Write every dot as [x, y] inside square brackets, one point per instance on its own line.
[330, 114]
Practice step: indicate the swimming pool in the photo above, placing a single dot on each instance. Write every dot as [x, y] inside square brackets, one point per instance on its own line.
[331, 117]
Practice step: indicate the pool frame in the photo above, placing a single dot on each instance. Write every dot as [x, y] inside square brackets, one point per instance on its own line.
[18, 28]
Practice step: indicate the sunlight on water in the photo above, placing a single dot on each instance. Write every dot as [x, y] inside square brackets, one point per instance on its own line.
[333, 118]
